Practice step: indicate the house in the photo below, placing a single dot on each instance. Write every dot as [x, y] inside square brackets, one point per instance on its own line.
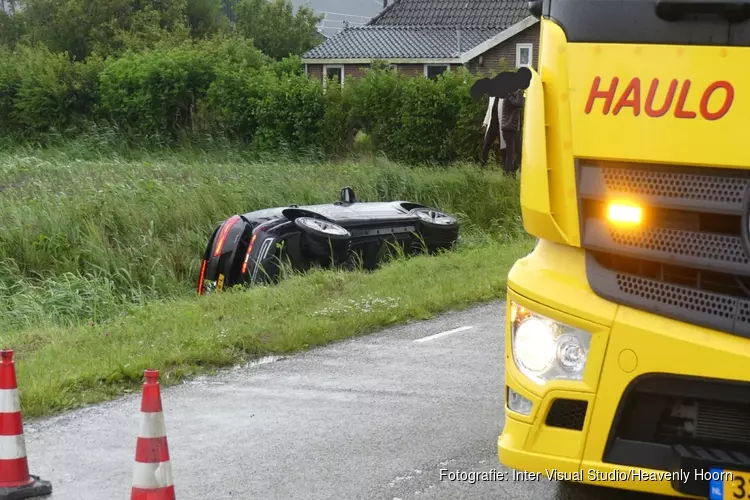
[428, 37]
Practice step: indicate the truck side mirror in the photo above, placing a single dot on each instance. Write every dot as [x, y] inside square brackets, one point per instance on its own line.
[536, 7]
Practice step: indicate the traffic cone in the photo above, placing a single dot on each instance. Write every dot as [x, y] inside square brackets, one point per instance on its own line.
[152, 475]
[15, 481]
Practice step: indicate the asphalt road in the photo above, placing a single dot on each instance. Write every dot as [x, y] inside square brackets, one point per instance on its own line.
[379, 417]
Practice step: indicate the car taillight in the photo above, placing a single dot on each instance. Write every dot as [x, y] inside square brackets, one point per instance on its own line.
[247, 255]
[202, 277]
[228, 225]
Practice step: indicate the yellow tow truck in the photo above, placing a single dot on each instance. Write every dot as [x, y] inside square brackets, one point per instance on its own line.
[628, 326]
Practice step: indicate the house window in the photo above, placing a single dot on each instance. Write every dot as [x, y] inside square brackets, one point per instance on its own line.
[524, 54]
[335, 72]
[432, 71]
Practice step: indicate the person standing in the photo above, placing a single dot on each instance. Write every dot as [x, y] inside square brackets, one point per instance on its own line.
[492, 129]
[510, 124]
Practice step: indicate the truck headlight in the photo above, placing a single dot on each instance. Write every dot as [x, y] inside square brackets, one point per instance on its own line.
[545, 349]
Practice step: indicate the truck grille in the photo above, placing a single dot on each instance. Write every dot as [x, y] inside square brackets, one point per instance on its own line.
[658, 412]
[690, 258]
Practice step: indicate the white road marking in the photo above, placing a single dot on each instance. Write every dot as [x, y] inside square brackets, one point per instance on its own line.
[443, 334]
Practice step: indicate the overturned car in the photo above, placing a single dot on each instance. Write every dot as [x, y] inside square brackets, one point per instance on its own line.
[252, 248]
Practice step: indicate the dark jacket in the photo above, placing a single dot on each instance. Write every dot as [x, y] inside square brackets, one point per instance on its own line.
[512, 107]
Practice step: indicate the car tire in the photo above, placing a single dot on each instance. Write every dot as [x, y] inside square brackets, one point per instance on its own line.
[436, 230]
[324, 240]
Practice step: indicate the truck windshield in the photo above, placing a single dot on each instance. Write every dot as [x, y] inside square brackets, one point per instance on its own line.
[670, 22]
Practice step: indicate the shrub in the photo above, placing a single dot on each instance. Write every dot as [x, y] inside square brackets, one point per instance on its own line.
[9, 83]
[334, 127]
[374, 100]
[159, 90]
[236, 53]
[234, 97]
[290, 114]
[225, 84]
[155, 91]
[278, 107]
[464, 135]
[424, 118]
[417, 120]
[289, 66]
[41, 91]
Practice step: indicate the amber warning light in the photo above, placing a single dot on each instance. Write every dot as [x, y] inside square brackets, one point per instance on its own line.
[622, 213]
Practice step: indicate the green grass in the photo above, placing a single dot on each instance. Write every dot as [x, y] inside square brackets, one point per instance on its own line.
[86, 234]
[62, 368]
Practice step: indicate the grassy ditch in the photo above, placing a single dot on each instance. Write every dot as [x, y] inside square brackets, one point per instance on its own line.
[62, 368]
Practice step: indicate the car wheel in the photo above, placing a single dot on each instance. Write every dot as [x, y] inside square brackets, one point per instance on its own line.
[325, 240]
[434, 218]
[437, 230]
[322, 228]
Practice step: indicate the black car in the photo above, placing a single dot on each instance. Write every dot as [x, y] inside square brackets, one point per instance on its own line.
[251, 248]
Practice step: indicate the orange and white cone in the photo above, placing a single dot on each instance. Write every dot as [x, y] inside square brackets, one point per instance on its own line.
[152, 475]
[15, 481]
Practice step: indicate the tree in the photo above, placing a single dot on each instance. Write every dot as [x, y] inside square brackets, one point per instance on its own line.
[108, 27]
[11, 24]
[145, 25]
[206, 17]
[228, 7]
[276, 29]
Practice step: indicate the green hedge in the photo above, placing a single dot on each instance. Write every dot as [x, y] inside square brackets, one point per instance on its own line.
[42, 92]
[226, 86]
[416, 119]
[160, 91]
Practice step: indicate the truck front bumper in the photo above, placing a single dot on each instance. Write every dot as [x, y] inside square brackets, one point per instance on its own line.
[579, 429]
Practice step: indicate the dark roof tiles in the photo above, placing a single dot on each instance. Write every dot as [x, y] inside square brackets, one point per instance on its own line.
[424, 29]
[386, 42]
[455, 13]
